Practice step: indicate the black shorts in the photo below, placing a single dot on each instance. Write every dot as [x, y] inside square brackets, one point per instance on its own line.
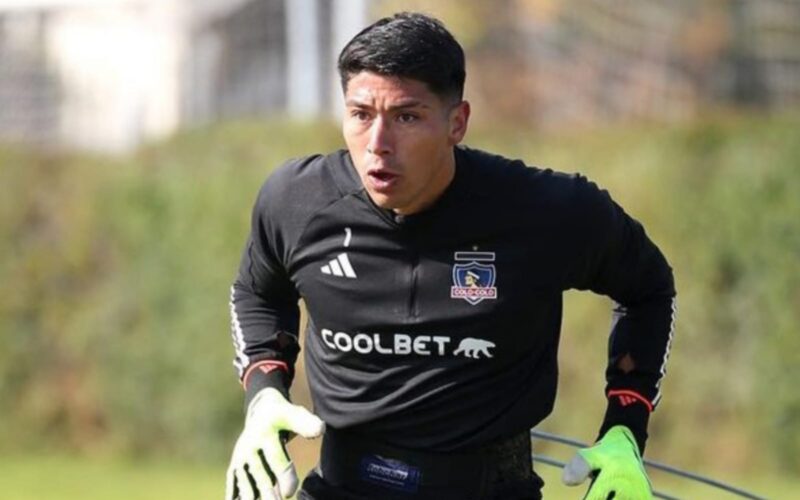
[353, 468]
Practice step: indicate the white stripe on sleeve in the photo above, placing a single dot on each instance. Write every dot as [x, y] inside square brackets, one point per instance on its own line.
[663, 369]
[241, 360]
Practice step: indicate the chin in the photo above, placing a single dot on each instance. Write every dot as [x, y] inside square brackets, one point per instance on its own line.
[383, 201]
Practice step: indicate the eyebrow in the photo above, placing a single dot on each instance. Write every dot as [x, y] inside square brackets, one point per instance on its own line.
[414, 103]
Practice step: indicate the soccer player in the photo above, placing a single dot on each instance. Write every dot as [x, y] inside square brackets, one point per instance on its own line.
[433, 277]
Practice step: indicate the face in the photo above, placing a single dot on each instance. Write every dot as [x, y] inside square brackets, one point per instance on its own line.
[401, 137]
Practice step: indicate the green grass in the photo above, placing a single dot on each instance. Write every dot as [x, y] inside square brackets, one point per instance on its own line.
[63, 477]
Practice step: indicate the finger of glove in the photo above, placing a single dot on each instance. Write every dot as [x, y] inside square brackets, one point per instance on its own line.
[301, 421]
[280, 464]
[233, 484]
[246, 491]
[288, 480]
[265, 480]
[600, 492]
[576, 471]
[231, 490]
[623, 488]
[596, 456]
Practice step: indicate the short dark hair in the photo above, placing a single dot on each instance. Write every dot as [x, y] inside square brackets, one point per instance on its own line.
[407, 45]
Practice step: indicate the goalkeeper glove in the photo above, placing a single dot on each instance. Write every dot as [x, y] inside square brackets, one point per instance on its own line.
[616, 466]
[260, 466]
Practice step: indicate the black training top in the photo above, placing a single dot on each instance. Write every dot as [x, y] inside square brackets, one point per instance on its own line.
[439, 331]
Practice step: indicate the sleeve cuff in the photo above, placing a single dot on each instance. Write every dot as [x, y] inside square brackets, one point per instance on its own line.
[631, 411]
[263, 374]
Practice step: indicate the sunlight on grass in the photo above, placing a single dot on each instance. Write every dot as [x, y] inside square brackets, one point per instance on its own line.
[66, 478]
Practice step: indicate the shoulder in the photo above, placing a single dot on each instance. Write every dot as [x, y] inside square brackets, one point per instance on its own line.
[296, 191]
[307, 183]
[513, 181]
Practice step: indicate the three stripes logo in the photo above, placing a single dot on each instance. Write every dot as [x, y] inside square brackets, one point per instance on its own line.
[340, 266]
[627, 397]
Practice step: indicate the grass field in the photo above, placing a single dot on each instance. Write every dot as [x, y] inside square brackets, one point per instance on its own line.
[67, 478]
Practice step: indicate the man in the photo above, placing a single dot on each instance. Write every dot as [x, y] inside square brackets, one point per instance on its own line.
[433, 277]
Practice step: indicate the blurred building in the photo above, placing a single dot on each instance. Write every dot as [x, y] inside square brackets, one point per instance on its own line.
[107, 74]
[595, 61]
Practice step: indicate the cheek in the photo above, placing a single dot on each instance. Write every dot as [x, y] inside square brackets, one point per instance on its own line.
[354, 131]
[350, 135]
[357, 149]
[356, 145]
[358, 162]
[426, 144]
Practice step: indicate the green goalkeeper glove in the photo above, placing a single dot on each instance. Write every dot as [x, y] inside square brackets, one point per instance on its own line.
[260, 466]
[616, 466]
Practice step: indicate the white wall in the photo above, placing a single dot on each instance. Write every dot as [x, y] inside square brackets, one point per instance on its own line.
[119, 67]
[120, 62]
[349, 17]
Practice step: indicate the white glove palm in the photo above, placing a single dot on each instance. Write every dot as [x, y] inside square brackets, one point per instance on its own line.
[260, 466]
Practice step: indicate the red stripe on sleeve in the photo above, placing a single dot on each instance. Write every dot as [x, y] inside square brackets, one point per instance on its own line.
[633, 394]
[265, 367]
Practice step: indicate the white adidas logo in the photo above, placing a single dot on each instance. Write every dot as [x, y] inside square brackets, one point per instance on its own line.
[340, 266]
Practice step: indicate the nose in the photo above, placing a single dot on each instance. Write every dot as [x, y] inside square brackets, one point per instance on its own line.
[380, 140]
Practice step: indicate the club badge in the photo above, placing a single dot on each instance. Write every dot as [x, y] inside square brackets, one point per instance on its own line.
[473, 277]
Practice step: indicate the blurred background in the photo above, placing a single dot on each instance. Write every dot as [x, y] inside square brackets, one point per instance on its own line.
[134, 135]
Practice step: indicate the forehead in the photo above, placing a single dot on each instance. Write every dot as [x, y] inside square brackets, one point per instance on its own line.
[372, 89]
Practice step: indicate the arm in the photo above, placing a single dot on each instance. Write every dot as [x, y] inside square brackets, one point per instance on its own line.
[264, 323]
[264, 310]
[617, 259]
[620, 261]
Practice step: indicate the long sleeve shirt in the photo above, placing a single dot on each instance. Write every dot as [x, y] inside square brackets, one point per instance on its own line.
[440, 330]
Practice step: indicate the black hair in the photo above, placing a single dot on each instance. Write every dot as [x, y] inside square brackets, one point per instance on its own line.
[407, 45]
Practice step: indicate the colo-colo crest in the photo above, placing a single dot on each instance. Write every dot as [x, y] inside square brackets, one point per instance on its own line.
[473, 277]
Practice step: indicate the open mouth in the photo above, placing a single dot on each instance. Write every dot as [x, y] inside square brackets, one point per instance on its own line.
[382, 180]
[383, 176]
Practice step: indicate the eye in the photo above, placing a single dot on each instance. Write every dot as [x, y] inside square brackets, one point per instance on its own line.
[407, 118]
[360, 115]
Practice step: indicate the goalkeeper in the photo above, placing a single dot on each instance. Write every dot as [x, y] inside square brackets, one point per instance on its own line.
[433, 276]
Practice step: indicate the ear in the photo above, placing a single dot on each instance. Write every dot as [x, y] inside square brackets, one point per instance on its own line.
[458, 120]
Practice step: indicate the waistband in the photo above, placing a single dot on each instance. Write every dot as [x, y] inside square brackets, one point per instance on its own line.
[376, 470]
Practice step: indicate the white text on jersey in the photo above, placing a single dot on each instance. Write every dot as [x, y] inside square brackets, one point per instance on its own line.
[404, 344]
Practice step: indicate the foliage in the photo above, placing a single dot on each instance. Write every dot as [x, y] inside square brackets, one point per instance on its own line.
[115, 273]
